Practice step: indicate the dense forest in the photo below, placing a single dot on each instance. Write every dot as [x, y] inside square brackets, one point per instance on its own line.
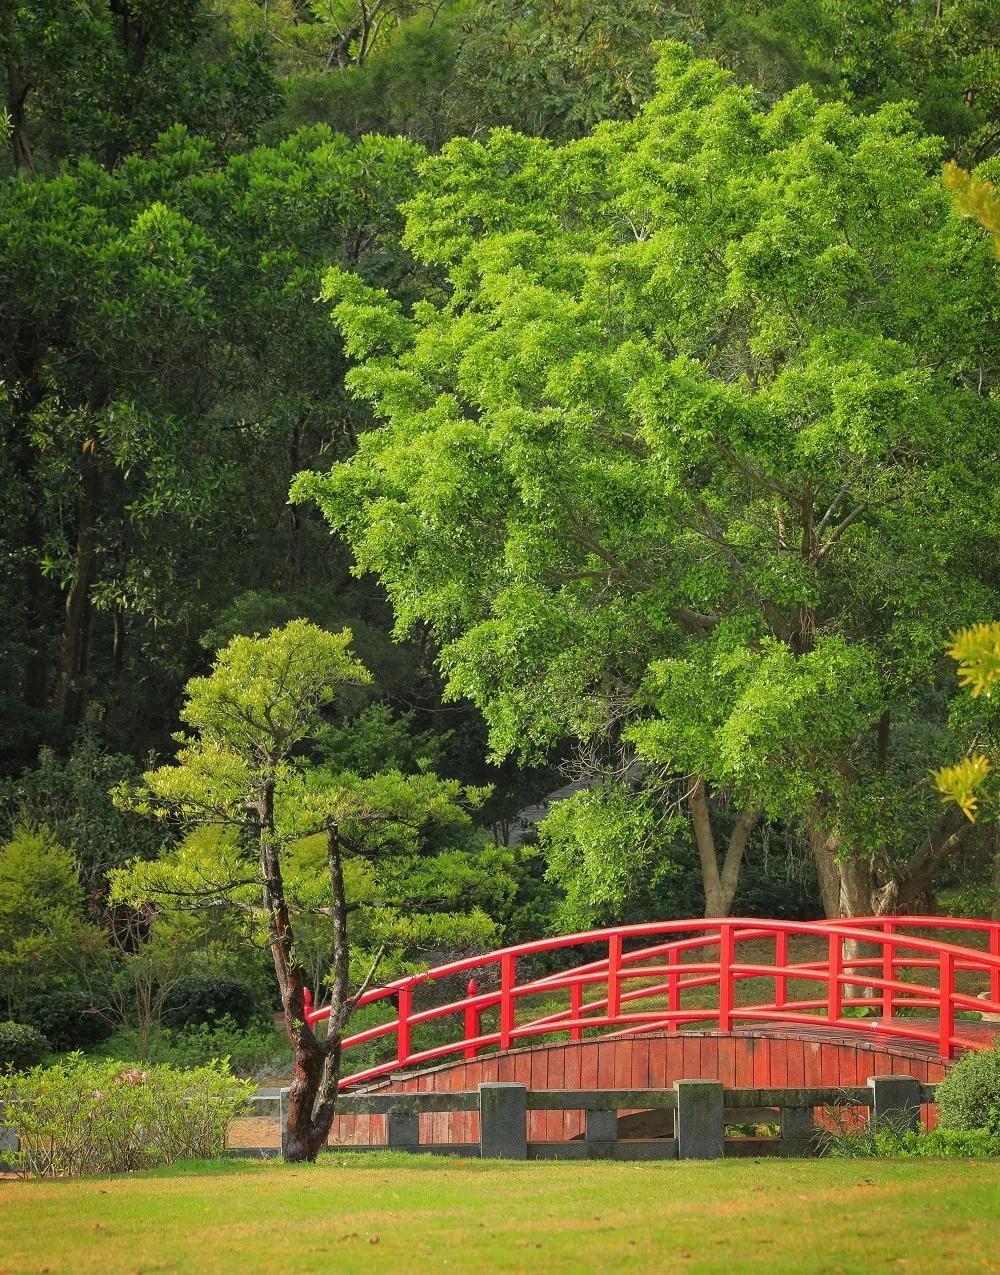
[595, 405]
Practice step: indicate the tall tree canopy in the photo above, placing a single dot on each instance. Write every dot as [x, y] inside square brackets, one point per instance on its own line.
[165, 369]
[694, 452]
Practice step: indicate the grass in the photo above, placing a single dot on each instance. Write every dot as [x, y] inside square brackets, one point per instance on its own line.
[386, 1212]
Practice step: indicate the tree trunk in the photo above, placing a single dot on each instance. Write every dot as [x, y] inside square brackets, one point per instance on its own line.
[720, 886]
[312, 1097]
[17, 96]
[74, 651]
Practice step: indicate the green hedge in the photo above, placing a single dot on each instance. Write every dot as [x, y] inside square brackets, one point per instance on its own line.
[21, 1046]
[83, 1117]
[969, 1095]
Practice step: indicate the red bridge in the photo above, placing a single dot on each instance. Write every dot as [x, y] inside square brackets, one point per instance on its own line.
[753, 1003]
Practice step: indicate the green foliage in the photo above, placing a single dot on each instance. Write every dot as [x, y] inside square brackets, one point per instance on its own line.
[969, 1095]
[69, 795]
[105, 79]
[44, 938]
[414, 862]
[911, 1144]
[252, 1052]
[80, 1117]
[206, 998]
[21, 1047]
[605, 847]
[690, 450]
[65, 1012]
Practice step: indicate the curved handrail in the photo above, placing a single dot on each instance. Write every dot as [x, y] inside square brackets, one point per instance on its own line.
[860, 968]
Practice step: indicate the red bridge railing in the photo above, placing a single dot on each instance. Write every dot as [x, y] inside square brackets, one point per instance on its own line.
[908, 981]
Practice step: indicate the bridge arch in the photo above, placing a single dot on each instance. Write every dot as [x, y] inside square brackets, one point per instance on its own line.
[905, 981]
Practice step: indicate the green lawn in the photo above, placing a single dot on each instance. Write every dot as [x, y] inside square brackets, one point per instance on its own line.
[388, 1212]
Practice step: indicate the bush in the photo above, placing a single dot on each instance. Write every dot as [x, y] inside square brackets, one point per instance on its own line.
[969, 1095]
[260, 1048]
[21, 1046]
[81, 1117]
[65, 1016]
[204, 998]
[895, 1144]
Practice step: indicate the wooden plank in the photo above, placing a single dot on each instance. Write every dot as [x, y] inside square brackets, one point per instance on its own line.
[726, 1053]
[588, 1065]
[639, 1073]
[744, 1062]
[763, 1050]
[690, 1057]
[606, 1064]
[813, 1053]
[779, 1063]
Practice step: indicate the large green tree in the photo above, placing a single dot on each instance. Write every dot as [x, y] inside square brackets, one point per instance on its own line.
[105, 77]
[165, 372]
[693, 456]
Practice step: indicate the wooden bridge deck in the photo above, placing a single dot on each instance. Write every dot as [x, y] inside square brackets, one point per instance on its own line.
[764, 1056]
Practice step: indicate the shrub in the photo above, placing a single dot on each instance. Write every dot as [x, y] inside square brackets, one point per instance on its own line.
[21, 1046]
[969, 1095]
[204, 998]
[257, 1049]
[81, 1117]
[896, 1144]
[65, 1016]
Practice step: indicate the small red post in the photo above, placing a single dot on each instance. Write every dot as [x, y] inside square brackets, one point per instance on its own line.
[405, 997]
[946, 1007]
[508, 977]
[995, 972]
[727, 949]
[576, 1009]
[888, 968]
[307, 1000]
[614, 969]
[781, 963]
[835, 970]
[471, 1019]
[673, 988]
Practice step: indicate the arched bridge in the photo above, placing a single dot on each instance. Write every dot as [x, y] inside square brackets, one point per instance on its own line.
[918, 987]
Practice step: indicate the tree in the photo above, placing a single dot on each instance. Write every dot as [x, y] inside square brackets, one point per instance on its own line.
[105, 77]
[245, 764]
[155, 341]
[693, 457]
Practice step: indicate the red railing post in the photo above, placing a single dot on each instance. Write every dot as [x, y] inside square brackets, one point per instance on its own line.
[614, 969]
[727, 948]
[888, 968]
[835, 969]
[508, 976]
[781, 962]
[471, 1019]
[575, 1009]
[946, 1005]
[995, 972]
[405, 999]
[673, 988]
[307, 1003]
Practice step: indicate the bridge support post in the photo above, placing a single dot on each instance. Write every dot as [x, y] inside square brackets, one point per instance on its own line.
[402, 1130]
[283, 1117]
[895, 1101]
[701, 1114]
[798, 1130]
[600, 1129]
[503, 1122]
